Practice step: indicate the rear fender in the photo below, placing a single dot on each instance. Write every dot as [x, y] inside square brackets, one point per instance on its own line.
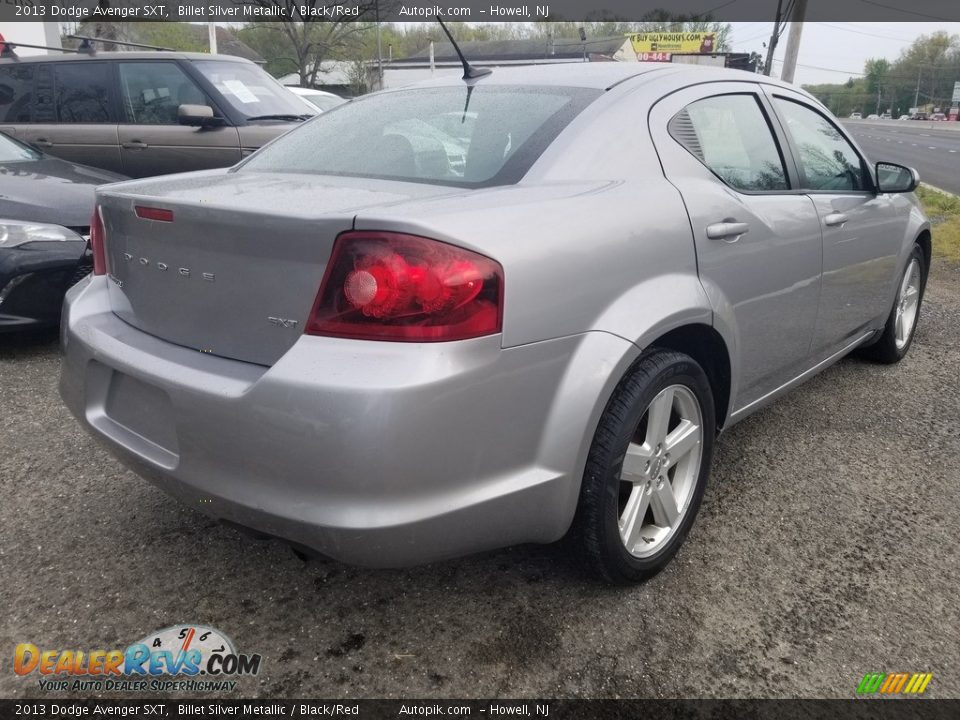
[629, 326]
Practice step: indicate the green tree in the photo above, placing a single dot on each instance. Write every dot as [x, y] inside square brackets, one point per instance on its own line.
[922, 76]
[877, 72]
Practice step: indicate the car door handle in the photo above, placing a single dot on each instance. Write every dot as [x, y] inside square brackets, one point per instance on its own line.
[135, 145]
[727, 230]
[42, 142]
[835, 219]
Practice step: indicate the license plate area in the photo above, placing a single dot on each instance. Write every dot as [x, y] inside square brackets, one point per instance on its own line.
[132, 413]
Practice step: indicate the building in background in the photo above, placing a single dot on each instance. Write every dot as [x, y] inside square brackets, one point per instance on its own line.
[32, 33]
[500, 53]
[336, 76]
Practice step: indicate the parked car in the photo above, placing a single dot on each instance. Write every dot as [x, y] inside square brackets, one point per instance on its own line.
[885, 116]
[856, 116]
[938, 117]
[390, 360]
[919, 116]
[144, 113]
[873, 116]
[45, 207]
[904, 117]
[318, 99]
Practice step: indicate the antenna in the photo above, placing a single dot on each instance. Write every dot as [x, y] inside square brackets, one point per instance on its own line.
[469, 71]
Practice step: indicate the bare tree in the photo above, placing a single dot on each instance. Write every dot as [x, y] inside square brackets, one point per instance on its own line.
[315, 31]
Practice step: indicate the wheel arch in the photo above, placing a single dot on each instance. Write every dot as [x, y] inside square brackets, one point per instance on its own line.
[925, 241]
[705, 345]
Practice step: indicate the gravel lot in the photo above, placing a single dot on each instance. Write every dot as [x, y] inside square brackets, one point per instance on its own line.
[828, 546]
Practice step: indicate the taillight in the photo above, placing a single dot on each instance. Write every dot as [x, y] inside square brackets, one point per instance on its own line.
[97, 237]
[392, 286]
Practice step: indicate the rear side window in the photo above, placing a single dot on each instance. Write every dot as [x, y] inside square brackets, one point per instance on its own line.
[828, 162]
[730, 135]
[82, 92]
[16, 93]
[480, 137]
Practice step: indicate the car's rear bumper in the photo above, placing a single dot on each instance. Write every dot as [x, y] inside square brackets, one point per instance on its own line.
[379, 454]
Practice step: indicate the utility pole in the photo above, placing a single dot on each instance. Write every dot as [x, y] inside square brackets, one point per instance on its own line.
[774, 37]
[379, 49]
[916, 95]
[212, 35]
[793, 41]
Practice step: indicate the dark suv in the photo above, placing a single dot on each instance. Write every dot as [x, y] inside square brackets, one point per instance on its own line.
[144, 113]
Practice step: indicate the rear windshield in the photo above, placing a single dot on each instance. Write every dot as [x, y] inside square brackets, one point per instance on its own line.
[480, 137]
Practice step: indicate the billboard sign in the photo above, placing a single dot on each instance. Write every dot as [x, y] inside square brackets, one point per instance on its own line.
[658, 46]
[956, 93]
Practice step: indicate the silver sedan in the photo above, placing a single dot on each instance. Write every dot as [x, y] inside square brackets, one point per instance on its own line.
[353, 343]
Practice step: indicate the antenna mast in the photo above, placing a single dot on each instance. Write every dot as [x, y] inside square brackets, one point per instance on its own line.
[469, 71]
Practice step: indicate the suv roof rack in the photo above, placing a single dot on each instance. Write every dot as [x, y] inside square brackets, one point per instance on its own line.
[8, 49]
[86, 44]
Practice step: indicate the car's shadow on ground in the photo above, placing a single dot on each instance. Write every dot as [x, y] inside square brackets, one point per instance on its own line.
[25, 345]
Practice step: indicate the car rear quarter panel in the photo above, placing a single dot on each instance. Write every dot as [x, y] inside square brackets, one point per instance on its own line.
[615, 256]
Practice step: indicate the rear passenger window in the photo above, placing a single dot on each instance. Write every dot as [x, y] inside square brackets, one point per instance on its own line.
[82, 92]
[16, 93]
[730, 135]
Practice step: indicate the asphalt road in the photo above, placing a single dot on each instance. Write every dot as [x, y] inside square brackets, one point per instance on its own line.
[934, 152]
[828, 546]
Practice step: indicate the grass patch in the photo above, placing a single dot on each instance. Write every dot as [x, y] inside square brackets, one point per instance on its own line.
[944, 213]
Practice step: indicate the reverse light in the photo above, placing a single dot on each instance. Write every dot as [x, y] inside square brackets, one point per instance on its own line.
[97, 238]
[393, 286]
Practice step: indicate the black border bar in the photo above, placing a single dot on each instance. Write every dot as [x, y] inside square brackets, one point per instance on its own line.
[516, 709]
[860, 11]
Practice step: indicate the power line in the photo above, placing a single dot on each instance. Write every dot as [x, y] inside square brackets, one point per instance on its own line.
[816, 67]
[860, 32]
[908, 12]
[752, 37]
[714, 9]
[864, 27]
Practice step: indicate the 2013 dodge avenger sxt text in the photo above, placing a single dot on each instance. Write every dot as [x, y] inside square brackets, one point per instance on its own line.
[353, 343]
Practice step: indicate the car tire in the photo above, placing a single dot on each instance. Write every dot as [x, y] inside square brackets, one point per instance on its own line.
[654, 441]
[898, 332]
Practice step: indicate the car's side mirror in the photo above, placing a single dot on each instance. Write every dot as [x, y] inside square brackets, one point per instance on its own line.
[197, 116]
[893, 178]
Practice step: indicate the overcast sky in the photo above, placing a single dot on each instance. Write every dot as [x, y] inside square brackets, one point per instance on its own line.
[834, 51]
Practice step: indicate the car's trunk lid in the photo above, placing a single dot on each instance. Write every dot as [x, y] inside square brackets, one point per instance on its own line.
[236, 271]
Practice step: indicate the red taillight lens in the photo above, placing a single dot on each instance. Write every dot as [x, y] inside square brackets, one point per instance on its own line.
[97, 237]
[391, 286]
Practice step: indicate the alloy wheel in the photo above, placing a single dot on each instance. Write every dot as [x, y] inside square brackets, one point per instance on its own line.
[660, 471]
[908, 303]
